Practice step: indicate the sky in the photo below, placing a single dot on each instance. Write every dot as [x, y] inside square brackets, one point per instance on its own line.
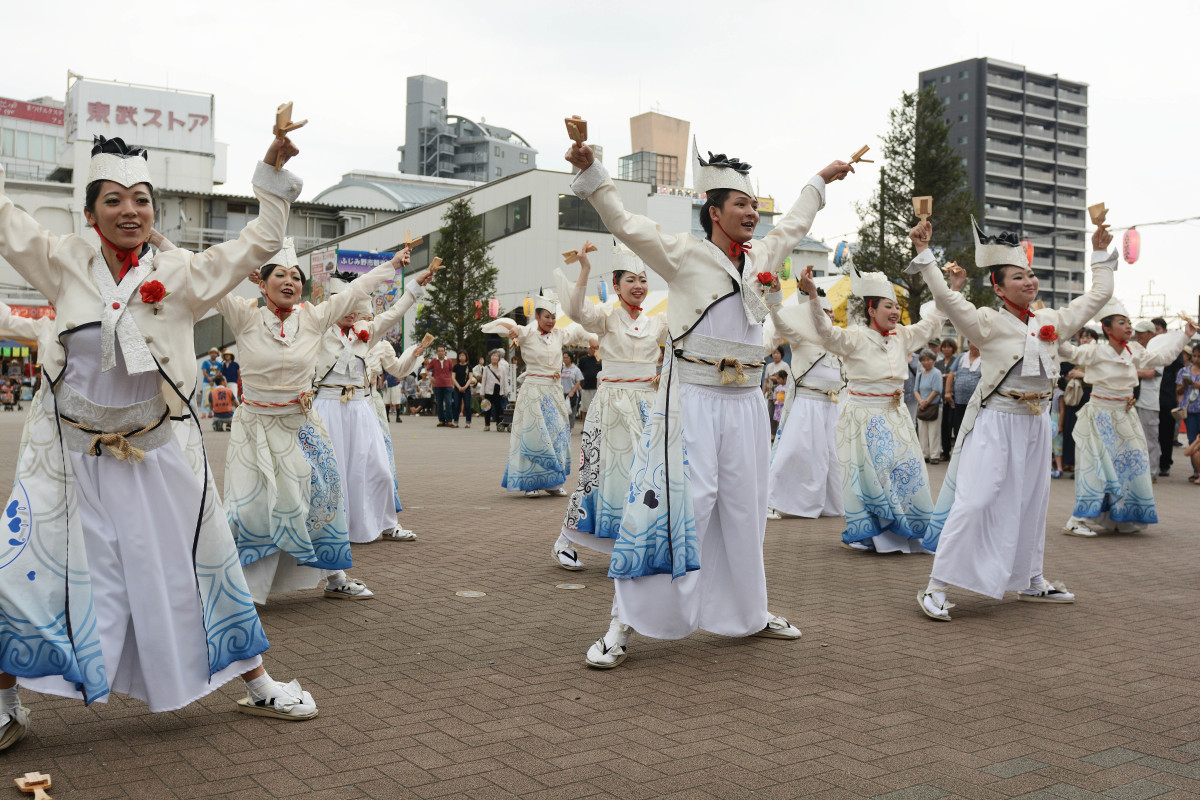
[786, 86]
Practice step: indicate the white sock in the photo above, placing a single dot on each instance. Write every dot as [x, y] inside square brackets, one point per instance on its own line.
[9, 699]
[562, 543]
[618, 634]
[259, 686]
[336, 580]
[936, 586]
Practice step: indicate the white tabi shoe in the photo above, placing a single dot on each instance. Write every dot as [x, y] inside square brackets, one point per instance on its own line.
[1130, 527]
[610, 649]
[933, 603]
[557, 492]
[533, 493]
[1077, 527]
[350, 590]
[398, 534]
[282, 701]
[14, 724]
[773, 514]
[861, 547]
[1043, 591]
[567, 557]
[779, 628]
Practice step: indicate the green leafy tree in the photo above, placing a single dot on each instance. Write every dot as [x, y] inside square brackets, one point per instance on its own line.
[448, 312]
[918, 160]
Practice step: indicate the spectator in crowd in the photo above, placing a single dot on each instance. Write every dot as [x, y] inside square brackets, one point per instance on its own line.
[494, 389]
[393, 396]
[947, 354]
[424, 399]
[589, 364]
[961, 381]
[572, 385]
[232, 372]
[775, 365]
[928, 390]
[408, 391]
[441, 369]
[1189, 381]
[222, 402]
[910, 395]
[210, 368]
[1069, 372]
[1168, 426]
[1149, 384]
[462, 382]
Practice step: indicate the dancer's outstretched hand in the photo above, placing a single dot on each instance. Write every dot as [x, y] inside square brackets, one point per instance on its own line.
[921, 234]
[1101, 238]
[958, 275]
[280, 151]
[807, 284]
[835, 171]
[581, 156]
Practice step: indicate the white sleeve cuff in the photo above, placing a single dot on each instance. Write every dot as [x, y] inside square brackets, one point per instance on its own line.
[280, 183]
[922, 258]
[818, 183]
[1107, 259]
[774, 298]
[415, 289]
[588, 181]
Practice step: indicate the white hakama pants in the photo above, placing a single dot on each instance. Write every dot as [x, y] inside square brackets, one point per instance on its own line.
[726, 436]
[362, 461]
[994, 538]
[806, 480]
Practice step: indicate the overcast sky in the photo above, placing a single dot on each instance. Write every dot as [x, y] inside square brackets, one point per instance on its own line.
[786, 86]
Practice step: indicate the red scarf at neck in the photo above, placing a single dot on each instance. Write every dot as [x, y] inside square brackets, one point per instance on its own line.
[881, 331]
[128, 258]
[1024, 313]
[631, 308]
[1124, 345]
[735, 248]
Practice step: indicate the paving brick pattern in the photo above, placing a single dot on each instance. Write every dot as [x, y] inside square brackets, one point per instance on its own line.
[424, 694]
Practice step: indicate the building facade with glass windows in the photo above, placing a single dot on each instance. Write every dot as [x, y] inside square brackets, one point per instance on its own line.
[1023, 138]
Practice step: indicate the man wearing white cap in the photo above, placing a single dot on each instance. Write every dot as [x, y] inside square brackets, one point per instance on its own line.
[708, 507]
[1149, 384]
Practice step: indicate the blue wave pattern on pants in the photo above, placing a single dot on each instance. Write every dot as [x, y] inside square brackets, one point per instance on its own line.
[234, 630]
[1112, 468]
[597, 504]
[884, 484]
[543, 445]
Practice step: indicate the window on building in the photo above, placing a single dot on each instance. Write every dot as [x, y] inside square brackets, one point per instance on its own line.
[524, 158]
[963, 95]
[22, 149]
[6, 142]
[945, 79]
[506, 220]
[497, 151]
[497, 172]
[329, 230]
[964, 74]
[962, 140]
[578, 215]
[930, 84]
[962, 118]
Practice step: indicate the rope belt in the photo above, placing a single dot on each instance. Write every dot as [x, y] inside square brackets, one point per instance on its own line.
[347, 391]
[117, 443]
[896, 395]
[630, 380]
[540, 375]
[833, 395]
[305, 401]
[1128, 401]
[1030, 399]
[739, 368]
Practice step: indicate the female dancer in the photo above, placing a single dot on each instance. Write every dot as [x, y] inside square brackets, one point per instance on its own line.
[989, 527]
[885, 487]
[629, 346]
[1112, 469]
[283, 491]
[341, 402]
[380, 359]
[158, 608]
[539, 449]
[805, 479]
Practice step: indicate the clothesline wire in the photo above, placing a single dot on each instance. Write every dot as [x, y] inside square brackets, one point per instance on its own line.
[1054, 233]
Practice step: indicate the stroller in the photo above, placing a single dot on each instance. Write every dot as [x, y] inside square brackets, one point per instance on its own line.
[8, 397]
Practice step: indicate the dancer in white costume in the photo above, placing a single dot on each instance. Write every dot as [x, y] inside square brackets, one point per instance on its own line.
[539, 447]
[885, 487]
[629, 348]
[690, 553]
[805, 478]
[106, 499]
[283, 491]
[380, 359]
[342, 403]
[989, 526]
[1113, 488]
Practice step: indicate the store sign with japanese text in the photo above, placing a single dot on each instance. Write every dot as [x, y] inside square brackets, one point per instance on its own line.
[31, 111]
[159, 119]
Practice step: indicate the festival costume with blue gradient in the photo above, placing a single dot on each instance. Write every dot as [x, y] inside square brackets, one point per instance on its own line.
[988, 529]
[1112, 470]
[629, 350]
[689, 555]
[885, 486]
[157, 606]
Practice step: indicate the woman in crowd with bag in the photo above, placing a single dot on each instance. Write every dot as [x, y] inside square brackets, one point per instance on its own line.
[494, 389]
[929, 388]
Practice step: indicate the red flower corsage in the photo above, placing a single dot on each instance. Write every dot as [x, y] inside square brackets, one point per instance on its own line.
[1048, 334]
[153, 293]
[766, 278]
[364, 336]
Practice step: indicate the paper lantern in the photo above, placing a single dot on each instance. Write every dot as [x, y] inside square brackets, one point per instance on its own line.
[1028, 247]
[602, 291]
[1131, 244]
[528, 306]
[785, 272]
[478, 309]
[493, 308]
[839, 254]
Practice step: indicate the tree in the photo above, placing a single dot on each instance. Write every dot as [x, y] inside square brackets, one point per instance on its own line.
[449, 311]
[918, 160]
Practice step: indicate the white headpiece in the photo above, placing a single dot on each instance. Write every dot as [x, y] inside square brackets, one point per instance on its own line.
[719, 172]
[287, 256]
[998, 251]
[1111, 308]
[113, 161]
[547, 300]
[869, 284]
[625, 259]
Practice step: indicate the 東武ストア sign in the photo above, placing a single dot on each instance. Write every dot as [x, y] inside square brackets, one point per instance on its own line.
[160, 119]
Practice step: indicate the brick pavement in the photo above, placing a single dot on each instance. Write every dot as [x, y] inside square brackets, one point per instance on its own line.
[424, 694]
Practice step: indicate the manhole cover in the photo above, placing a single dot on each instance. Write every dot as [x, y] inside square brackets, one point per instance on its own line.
[570, 586]
[471, 594]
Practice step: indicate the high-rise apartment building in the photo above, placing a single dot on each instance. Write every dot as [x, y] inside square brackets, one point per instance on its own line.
[1023, 139]
[443, 145]
[660, 150]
